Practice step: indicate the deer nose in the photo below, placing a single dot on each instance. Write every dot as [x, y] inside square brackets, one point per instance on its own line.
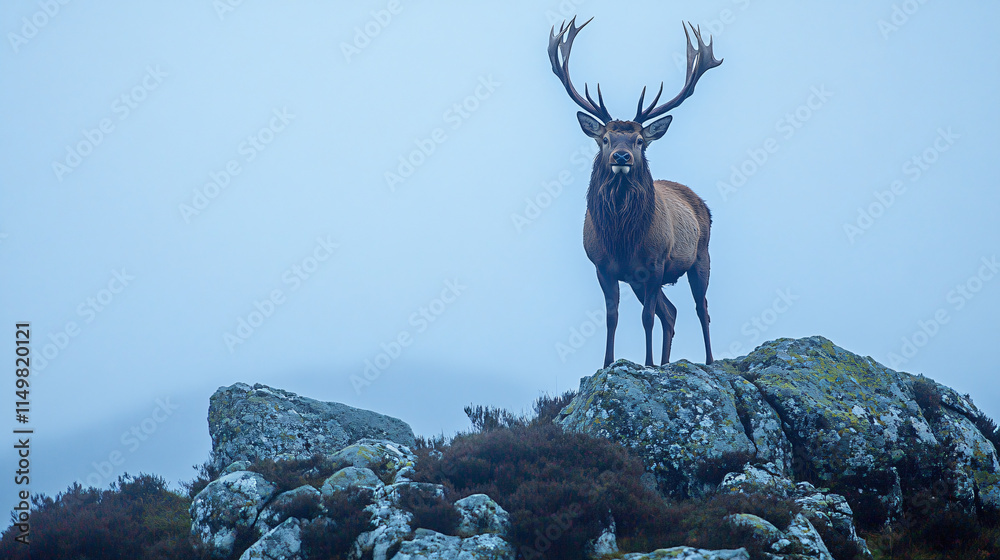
[622, 158]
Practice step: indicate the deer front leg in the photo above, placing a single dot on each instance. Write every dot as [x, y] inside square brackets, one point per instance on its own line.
[610, 287]
[648, 315]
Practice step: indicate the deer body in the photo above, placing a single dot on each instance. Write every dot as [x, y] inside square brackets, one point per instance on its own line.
[643, 232]
[673, 235]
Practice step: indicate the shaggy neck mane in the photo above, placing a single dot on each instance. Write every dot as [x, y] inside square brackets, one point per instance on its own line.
[621, 205]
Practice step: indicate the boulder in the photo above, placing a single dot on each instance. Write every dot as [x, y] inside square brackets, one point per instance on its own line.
[805, 539]
[260, 422]
[830, 512]
[227, 507]
[758, 479]
[349, 477]
[481, 515]
[688, 553]
[863, 429]
[808, 409]
[606, 544]
[431, 545]
[281, 543]
[762, 530]
[387, 459]
[689, 423]
[826, 511]
[303, 502]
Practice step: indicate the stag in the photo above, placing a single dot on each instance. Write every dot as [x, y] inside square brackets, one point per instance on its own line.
[640, 231]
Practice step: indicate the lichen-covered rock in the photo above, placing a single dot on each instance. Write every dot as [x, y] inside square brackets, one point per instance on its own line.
[236, 466]
[293, 503]
[761, 530]
[227, 506]
[281, 543]
[688, 553]
[806, 540]
[847, 416]
[683, 420]
[606, 544]
[431, 545]
[829, 512]
[811, 411]
[975, 469]
[824, 510]
[260, 422]
[350, 477]
[381, 456]
[758, 479]
[391, 523]
[857, 427]
[480, 515]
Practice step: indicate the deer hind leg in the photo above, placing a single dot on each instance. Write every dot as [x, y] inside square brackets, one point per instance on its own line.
[667, 314]
[698, 278]
[610, 287]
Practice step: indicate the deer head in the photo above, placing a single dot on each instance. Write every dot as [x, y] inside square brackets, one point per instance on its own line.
[623, 143]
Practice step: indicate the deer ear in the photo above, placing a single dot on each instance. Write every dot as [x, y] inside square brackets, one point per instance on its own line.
[591, 126]
[656, 129]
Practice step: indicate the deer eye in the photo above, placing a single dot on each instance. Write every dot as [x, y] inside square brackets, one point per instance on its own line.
[605, 139]
[639, 141]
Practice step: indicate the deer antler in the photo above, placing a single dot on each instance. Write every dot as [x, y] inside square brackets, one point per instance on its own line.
[699, 61]
[558, 45]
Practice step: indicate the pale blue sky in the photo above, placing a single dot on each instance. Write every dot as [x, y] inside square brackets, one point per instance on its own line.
[471, 260]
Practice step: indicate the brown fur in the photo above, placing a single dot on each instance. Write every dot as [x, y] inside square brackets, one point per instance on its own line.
[646, 233]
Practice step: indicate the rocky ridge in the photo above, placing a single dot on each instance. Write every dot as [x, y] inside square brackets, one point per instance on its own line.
[844, 437]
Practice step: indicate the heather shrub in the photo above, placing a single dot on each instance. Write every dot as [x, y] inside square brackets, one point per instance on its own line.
[928, 397]
[206, 473]
[332, 536]
[429, 511]
[547, 407]
[561, 488]
[301, 506]
[137, 518]
[291, 473]
[938, 530]
[988, 427]
[489, 418]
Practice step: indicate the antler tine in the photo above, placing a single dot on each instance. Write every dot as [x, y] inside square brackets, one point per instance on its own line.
[642, 96]
[699, 61]
[603, 111]
[561, 44]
